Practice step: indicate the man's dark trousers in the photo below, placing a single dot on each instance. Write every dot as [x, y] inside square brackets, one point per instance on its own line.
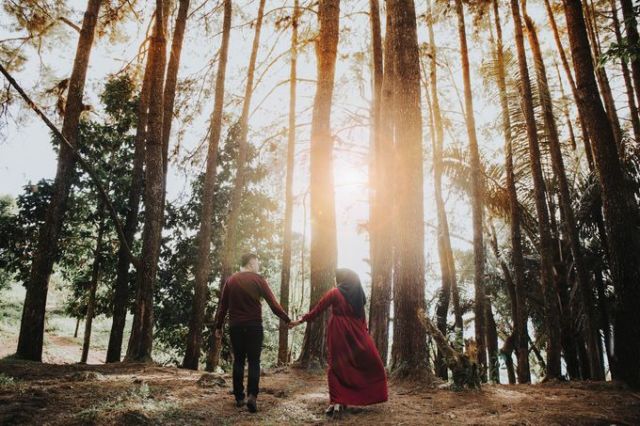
[246, 342]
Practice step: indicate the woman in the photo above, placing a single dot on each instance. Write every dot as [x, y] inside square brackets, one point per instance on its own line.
[356, 373]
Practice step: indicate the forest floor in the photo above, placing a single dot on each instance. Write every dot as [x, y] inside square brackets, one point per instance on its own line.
[56, 394]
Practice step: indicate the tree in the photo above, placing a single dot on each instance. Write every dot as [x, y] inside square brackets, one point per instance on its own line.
[141, 339]
[476, 195]
[591, 331]
[32, 323]
[632, 42]
[520, 334]
[203, 266]
[381, 218]
[285, 275]
[551, 308]
[620, 211]
[447, 265]
[409, 350]
[323, 222]
[229, 246]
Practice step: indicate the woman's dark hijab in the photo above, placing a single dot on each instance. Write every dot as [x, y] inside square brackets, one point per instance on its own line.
[351, 288]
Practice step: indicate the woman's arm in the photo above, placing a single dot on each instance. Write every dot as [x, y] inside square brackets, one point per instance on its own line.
[326, 301]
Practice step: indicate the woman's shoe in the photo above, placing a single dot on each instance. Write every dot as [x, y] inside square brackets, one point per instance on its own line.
[329, 410]
[338, 411]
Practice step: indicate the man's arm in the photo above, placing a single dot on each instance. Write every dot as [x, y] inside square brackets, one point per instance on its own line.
[272, 302]
[222, 308]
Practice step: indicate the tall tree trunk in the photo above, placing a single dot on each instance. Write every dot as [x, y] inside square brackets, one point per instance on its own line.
[447, 267]
[631, 28]
[517, 258]
[591, 331]
[75, 332]
[631, 100]
[409, 350]
[229, 243]
[171, 83]
[492, 345]
[203, 261]
[93, 285]
[572, 83]
[552, 315]
[33, 313]
[141, 339]
[601, 75]
[565, 110]
[285, 276]
[381, 221]
[323, 220]
[476, 196]
[620, 213]
[121, 288]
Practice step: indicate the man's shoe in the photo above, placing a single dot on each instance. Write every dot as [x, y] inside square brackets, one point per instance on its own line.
[251, 404]
[240, 402]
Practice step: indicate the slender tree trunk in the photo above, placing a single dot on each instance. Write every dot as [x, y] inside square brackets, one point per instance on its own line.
[229, 244]
[33, 313]
[323, 221]
[517, 258]
[631, 100]
[552, 315]
[141, 339]
[572, 84]
[409, 350]
[285, 276]
[476, 196]
[203, 261]
[171, 83]
[447, 267]
[121, 290]
[602, 77]
[381, 221]
[93, 285]
[631, 29]
[492, 345]
[620, 213]
[75, 333]
[565, 110]
[591, 331]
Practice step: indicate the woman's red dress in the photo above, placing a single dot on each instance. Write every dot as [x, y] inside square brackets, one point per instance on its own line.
[356, 373]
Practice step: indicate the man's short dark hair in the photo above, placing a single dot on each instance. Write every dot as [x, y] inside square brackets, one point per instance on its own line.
[246, 258]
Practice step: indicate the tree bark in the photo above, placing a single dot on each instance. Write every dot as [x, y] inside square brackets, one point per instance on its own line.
[591, 331]
[517, 258]
[33, 315]
[141, 339]
[285, 275]
[551, 308]
[229, 244]
[620, 213]
[447, 266]
[409, 350]
[93, 286]
[203, 261]
[572, 83]
[476, 196]
[121, 290]
[323, 221]
[492, 345]
[381, 220]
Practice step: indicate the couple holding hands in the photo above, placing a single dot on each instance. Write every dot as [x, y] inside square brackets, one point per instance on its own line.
[355, 371]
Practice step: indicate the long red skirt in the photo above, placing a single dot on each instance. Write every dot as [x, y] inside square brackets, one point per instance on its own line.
[356, 373]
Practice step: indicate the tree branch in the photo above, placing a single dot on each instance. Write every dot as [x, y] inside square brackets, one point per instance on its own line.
[83, 164]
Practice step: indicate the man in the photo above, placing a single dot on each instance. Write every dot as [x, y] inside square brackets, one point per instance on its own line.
[241, 296]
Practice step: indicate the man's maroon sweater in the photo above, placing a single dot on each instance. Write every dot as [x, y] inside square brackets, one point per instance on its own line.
[241, 296]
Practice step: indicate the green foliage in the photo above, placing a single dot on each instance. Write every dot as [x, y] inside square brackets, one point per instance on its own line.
[258, 231]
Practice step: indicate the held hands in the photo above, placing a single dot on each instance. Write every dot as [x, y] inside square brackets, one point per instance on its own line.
[294, 324]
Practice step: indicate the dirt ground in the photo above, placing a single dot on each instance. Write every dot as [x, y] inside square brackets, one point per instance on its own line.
[142, 394]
